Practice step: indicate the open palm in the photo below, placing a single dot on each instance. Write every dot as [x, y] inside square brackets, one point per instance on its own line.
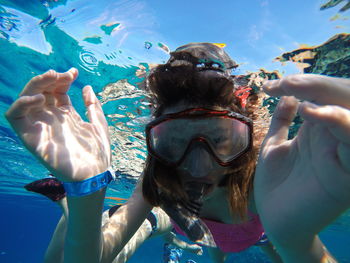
[53, 131]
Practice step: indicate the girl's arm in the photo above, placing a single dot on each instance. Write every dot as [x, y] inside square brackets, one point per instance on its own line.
[124, 223]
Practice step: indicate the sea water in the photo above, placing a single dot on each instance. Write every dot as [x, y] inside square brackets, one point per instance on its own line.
[110, 43]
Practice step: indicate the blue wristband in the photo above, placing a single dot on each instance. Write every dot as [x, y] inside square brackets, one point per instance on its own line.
[89, 185]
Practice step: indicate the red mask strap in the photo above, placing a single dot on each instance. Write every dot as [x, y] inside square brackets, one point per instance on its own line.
[242, 93]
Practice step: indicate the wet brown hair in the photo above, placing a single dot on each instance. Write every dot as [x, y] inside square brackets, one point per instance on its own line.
[179, 81]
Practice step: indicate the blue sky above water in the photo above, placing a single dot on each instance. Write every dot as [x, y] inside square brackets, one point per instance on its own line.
[255, 31]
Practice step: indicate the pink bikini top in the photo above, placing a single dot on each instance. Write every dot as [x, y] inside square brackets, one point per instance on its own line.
[233, 237]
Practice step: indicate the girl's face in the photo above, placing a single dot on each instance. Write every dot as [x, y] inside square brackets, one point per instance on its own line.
[199, 166]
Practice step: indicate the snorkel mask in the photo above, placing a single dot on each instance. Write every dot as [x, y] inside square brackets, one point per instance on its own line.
[225, 134]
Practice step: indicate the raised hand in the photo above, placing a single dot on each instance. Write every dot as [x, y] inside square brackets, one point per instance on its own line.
[302, 185]
[45, 120]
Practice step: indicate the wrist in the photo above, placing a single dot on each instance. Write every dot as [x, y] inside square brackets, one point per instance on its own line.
[90, 185]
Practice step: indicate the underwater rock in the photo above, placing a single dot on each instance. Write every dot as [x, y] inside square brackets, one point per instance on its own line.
[126, 124]
[333, 3]
[331, 58]
[120, 90]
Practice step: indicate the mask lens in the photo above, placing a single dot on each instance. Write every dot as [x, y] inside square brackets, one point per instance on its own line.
[168, 140]
[227, 137]
[230, 139]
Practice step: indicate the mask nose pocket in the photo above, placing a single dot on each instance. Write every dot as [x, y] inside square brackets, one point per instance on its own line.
[198, 162]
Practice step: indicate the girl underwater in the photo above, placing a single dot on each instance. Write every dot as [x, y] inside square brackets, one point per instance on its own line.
[203, 167]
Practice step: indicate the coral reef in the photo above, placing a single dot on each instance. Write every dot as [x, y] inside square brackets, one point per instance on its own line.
[331, 58]
[333, 3]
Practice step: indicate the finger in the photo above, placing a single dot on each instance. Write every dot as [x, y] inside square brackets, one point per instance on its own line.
[281, 120]
[63, 84]
[64, 80]
[334, 117]
[315, 88]
[94, 110]
[17, 113]
[41, 83]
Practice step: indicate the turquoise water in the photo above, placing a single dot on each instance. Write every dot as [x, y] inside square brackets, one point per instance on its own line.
[109, 43]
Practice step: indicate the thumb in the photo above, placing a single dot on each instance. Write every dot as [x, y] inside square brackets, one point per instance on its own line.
[281, 120]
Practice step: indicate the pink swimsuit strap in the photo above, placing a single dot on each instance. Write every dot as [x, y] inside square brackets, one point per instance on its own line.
[233, 237]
